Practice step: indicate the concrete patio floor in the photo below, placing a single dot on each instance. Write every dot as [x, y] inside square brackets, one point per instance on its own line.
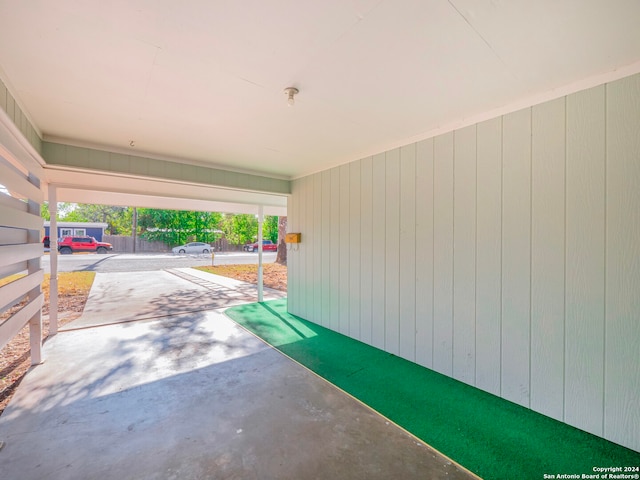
[141, 387]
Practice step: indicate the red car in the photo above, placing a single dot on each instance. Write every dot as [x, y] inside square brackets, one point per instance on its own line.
[267, 246]
[82, 244]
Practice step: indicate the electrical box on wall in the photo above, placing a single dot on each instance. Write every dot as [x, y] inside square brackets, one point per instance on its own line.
[292, 238]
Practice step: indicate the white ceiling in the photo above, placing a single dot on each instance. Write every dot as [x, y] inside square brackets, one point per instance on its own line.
[202, 80]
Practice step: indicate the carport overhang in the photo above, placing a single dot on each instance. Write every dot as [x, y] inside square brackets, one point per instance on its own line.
[64, 183]
[77, 185]
[111, 188]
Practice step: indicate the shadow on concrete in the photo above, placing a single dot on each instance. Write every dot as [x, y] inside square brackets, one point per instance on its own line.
[94, 265]
[200, 398]
[132, 296]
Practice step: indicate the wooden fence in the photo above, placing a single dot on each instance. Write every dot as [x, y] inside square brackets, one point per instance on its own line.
[125, 244]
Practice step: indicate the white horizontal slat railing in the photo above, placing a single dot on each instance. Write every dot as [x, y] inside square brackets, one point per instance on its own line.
[21, 277]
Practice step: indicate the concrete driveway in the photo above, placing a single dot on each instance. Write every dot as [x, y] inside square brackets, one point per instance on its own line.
[155, 382]
[131, 296]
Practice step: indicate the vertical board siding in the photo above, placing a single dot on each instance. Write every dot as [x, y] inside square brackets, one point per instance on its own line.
[354, 242]
[584, 317]
[83, 157]
[3, 96]
[99, 160]
[300, 250]
[334, 252]
[407, 249]
[292, 255]
[291, 286]
[317, 248]
[547, 258]
[366, 248]
[516, 255]
[308, 247]
[11, 106]
[343, 251]
[326, 249]
[392, 257]
[443, 255]
[379, 251]
[489, 255]
[464, 256]
[622, 313]
[505, 254]
[19, 118]
[424, 253]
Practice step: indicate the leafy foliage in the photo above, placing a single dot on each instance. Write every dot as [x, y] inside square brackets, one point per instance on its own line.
[270, 228]
[44, 211]
[118, 219]
[64, 208]
[175, 227]
[240, 229]
[243, 228]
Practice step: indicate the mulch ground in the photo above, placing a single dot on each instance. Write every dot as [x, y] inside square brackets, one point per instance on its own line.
[274, 275]
[15, 357]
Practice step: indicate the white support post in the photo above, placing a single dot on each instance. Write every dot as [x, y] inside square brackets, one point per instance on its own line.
[53, 261]
[33, 266]
[260, 285]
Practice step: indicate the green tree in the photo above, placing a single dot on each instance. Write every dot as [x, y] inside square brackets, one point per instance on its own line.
[241, 228]
[64, 208]
[160, 225]
[270, 228]
[118, 219]
[175, 227]
[44, 211]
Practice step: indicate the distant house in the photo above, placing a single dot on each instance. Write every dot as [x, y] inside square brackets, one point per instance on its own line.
[78, 229]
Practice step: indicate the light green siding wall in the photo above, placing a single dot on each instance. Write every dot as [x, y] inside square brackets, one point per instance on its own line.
[505, 254]
[17, 116]
[68, 155]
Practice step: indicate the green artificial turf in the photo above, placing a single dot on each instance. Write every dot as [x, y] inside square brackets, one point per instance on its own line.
[490, 436]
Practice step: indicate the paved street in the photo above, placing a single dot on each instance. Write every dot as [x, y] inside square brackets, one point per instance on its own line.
[128, 262]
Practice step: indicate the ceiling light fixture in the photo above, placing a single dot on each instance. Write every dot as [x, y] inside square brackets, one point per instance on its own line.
[290, 92]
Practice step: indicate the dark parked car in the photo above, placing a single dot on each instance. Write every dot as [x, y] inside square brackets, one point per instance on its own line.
[82, 244]
[267, 246]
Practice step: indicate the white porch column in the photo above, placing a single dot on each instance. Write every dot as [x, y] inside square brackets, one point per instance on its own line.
[35, 295]
[53, 261]
[260, 286]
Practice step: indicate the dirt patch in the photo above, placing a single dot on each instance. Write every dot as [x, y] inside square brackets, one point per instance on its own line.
[15, 357]
[274, 275]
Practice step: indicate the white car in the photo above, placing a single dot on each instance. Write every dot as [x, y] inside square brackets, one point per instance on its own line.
[193, 247]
